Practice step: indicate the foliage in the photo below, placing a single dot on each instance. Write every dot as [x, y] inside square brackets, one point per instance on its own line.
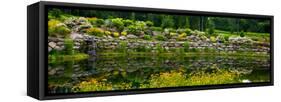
[149, 23]
[242, 34]
[96, 22]
[124, 33]
[147, 37]
[173, 34]
[213, 39]
[188, 31]
[171, 21]
[118, 23]
[182, 36]
[116, 34]
[99, 22]
[107, 33]
[56, 28]
[133, 30]
[128, 22]
[156, 28]
[95, 31]
[226, 37]
[160, 37]
[167, 21]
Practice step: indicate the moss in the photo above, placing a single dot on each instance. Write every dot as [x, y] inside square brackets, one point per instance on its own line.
[160, 37]
[147, 37]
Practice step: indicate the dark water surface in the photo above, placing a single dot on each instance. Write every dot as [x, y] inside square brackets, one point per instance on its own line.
[137, 70]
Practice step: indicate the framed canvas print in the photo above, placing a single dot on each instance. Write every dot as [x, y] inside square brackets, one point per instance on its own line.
[86, 50]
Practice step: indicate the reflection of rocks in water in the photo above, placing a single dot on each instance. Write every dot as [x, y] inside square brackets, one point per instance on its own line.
[241, 70]
[142, 67]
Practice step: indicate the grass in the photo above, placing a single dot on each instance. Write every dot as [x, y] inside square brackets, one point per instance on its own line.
[247, 34]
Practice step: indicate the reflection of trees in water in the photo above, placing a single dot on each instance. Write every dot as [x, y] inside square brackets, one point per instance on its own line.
[138, 70]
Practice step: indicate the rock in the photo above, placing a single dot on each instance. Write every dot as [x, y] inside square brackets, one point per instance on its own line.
[60, 43]
[154, 33]
[131, 36]
[82, 28]
[52, 72]
[52, 44]
[76, 36]
[122, 38]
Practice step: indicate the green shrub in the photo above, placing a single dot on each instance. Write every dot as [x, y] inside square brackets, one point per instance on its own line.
[132, 30]
[107, 33]
[173, 34]
[99, 22]
[117, 22]
[226, 37]
[95, 31]
[242, 34]
[213, 39]
[211, 31]
[167, 22]
[149, 23]
[56, 28]
[147, 37]
[160, 37]
[108, 23]
[124, 33]
[116, 34]
[128, 22]
[182, 36]
[92, 20]
[156, 28]
[188, 31]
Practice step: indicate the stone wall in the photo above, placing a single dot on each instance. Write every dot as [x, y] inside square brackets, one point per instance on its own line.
[85, 43]
[234, 44]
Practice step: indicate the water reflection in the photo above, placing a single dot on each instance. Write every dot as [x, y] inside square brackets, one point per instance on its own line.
[133, 72]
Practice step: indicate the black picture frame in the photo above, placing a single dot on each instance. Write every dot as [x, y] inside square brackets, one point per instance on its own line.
[38, 39]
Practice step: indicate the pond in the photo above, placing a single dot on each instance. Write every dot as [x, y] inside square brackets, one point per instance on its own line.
[124, 72]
